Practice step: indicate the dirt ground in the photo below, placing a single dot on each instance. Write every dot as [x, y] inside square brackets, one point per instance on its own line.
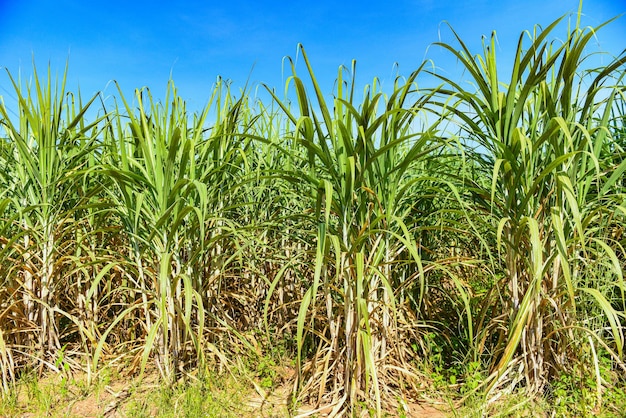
[56, 397]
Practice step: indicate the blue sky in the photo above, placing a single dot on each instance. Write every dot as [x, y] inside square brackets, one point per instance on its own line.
[140, 43]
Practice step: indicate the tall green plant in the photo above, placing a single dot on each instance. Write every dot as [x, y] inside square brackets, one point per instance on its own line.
[172, 185]
[359, 168]
[541, 135]
[46, 154]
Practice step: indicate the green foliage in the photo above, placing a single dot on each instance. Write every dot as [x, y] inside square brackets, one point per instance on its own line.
[542, 138]
[574, 394]
[472, 235]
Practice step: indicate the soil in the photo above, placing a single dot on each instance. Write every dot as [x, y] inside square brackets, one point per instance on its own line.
[113, 399]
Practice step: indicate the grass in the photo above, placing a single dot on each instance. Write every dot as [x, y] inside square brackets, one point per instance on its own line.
[217, 396]
[234, 395]
[448, 245]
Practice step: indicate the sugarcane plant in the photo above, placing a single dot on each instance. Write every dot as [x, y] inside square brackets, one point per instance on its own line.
[171, 192]
[543, 138]
[362, 168]
[45, 154]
